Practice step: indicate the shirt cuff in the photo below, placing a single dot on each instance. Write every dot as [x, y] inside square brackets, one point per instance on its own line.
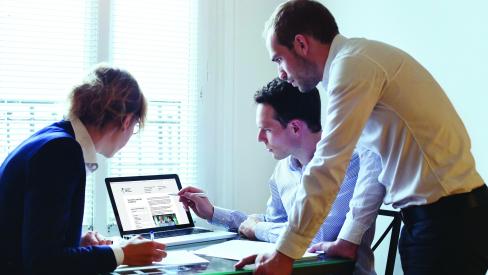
[352, 231]
[262, 230]
[118, 253]
[221, 216]
[292, 244]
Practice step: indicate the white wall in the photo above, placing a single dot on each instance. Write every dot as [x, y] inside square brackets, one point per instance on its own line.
[450, 39]
[236, 166]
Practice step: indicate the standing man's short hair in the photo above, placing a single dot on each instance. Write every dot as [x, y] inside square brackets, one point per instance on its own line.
[289, 103]
[301, 17]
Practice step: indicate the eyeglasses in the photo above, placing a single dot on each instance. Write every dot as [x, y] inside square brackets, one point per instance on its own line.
[137, 128]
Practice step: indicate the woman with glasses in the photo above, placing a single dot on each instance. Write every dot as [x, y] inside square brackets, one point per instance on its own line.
[42, 183]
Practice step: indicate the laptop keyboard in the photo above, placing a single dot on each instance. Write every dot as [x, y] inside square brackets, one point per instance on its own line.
[179, 232]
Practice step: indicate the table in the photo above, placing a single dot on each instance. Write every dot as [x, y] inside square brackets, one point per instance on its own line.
[321, 265]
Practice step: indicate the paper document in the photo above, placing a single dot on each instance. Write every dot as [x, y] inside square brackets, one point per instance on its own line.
[174, 258]
[238, 249]
[181, 257]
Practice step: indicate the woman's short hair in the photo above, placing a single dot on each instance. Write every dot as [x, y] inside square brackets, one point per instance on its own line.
[107, 96]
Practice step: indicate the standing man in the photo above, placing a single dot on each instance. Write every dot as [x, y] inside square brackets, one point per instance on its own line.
[289, 125]
[380, 98]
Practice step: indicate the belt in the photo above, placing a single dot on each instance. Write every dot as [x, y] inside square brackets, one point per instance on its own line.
[446, 206]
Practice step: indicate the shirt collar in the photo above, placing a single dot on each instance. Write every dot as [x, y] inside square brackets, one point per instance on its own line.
[87, 146]
[335, 47]
[294, 164]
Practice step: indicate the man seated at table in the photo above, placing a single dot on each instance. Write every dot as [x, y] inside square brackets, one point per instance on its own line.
[289, 125]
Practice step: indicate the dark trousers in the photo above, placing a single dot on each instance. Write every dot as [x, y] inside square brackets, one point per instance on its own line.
[451, 239]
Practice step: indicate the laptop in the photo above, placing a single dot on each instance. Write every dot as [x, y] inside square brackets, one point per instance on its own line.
[145, 204]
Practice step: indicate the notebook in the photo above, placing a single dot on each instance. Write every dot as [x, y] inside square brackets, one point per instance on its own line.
[145, 204]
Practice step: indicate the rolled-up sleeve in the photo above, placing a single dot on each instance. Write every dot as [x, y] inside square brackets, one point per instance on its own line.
[230, 219]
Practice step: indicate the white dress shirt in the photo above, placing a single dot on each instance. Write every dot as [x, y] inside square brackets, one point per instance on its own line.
[382, 99]
[283, 185]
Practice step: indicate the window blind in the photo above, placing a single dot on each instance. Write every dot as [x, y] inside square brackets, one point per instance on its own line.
[157, 41]
[47, 46]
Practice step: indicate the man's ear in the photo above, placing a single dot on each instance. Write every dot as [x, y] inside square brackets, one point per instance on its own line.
[301, 45]
[296, 126]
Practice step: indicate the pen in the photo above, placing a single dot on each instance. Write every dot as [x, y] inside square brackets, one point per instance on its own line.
[201, 195]
[151, 234]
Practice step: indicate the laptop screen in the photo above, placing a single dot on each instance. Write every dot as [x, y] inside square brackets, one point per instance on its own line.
[147, 203]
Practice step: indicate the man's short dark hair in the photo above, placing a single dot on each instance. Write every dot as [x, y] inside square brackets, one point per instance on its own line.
[289, 103]
[301, 17]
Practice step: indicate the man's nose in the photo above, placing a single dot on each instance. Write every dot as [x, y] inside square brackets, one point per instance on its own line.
[261, 136]
[282, 74]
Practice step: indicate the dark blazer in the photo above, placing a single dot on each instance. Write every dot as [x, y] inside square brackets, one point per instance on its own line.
[42, 193]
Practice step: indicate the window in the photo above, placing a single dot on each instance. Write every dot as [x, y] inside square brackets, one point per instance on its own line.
[47, 46]
[156, 39]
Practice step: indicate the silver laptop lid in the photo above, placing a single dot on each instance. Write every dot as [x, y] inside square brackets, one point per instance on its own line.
[143, 204]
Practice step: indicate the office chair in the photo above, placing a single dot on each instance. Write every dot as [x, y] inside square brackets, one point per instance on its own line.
[394, 227]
